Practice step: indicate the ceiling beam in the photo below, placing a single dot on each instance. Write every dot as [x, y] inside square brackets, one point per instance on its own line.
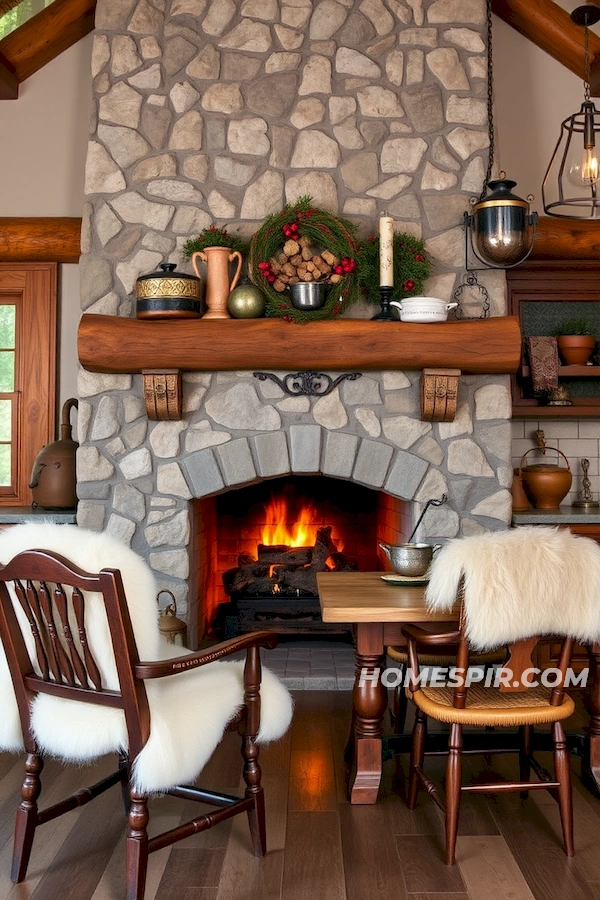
[558, 238]
[46, 35]
[549, 27]
[9, 83]
[40, 239]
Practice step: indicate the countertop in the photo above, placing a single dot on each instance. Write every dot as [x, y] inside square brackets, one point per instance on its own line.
[564, 515]
[15, 515]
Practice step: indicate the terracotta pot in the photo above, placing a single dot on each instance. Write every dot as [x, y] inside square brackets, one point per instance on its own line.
[546, 484]
[218, 288]
[576, 349]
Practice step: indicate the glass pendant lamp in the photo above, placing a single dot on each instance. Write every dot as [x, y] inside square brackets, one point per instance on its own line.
[571, 184]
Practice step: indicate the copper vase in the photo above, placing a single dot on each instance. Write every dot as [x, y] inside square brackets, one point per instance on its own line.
[218, 287]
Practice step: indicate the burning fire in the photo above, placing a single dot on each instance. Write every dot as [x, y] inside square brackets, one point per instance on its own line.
[277, 531]
[280, 527]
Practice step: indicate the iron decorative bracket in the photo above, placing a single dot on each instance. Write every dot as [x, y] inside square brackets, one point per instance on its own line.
[308, 384]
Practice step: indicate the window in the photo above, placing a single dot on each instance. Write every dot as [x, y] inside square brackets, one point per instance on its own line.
[28, 302]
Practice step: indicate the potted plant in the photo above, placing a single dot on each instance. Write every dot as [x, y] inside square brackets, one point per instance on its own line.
[576, 342]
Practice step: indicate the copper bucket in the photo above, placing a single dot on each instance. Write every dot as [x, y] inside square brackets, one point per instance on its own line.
[546, 484]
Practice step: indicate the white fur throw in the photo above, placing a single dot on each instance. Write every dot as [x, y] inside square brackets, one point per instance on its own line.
[189, 711]
[519, 583]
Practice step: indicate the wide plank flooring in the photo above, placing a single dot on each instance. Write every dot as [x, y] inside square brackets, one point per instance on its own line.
[320, 847]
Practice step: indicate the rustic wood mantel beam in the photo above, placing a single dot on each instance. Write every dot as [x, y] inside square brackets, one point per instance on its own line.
[44, 36]
[115, 344]
[549, 27]
[40, 239]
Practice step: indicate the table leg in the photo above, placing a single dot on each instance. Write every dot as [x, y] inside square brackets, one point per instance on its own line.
[591, 762]
[369, 703]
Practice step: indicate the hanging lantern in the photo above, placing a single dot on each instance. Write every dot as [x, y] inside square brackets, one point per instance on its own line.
[174, 630]
[501, 228]
[571, 183]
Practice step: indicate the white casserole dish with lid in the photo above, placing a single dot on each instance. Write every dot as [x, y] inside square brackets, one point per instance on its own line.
[422, 309]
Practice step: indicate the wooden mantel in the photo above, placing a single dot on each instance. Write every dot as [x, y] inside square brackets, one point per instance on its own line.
[161, 350]
[476, 346]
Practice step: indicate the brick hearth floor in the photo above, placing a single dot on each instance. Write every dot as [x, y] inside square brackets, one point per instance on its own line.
[309, 665]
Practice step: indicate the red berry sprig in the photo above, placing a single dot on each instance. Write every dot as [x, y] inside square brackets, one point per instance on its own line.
[408, 285]
[291, 231]
[345, 266]
[265, 268]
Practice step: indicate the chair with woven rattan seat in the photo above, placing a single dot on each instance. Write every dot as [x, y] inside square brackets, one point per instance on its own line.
[514, 588]
[443, 657]
[84, 672]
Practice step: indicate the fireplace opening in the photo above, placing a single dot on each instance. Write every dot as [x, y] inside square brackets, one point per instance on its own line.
[261, 547]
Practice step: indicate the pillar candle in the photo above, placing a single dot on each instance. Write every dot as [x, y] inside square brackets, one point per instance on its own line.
[386, 251]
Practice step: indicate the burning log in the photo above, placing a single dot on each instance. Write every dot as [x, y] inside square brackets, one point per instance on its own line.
[239, 578]
[285, 570]
[280, 554]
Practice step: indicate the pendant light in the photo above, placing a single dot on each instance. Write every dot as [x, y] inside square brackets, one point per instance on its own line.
[501, 229]
[571, 183]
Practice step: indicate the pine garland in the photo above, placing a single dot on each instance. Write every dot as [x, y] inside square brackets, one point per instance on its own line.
[412, 267]
[213, 236]
[325, 232]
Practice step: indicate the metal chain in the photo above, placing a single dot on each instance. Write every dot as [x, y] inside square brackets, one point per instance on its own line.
[490, 99]
[587, 62]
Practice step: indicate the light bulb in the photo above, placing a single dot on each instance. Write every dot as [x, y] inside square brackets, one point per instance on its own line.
[586, 169]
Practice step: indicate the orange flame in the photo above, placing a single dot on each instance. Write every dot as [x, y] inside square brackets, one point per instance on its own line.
[276, 529]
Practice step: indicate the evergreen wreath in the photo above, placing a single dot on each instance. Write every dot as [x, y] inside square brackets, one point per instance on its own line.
[302, 236]
[412, 266]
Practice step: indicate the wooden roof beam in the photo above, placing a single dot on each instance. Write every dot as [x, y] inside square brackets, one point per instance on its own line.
[40, 239]
[43, 37]
[9, 83]
[549, 27]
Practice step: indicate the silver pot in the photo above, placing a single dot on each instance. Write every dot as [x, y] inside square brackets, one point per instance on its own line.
[410, 559]
[308, 295]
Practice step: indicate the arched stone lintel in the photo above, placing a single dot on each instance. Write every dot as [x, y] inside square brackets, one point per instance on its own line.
[304, 450]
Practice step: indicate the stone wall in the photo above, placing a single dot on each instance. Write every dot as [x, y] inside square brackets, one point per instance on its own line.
[222, 112]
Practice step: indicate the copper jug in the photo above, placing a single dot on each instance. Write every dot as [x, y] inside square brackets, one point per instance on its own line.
[53, 480]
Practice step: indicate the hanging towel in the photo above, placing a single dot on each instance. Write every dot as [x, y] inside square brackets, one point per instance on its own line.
[543, 359]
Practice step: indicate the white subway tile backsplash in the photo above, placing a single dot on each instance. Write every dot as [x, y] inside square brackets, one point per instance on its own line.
[560, 428]
[578, 448]
[576, 438]
[589, 428]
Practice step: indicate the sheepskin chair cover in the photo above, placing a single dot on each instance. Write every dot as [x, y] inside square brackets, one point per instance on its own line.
[189, 711]
[520, 583]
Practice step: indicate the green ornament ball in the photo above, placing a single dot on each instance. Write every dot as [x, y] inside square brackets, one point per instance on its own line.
[246, 302]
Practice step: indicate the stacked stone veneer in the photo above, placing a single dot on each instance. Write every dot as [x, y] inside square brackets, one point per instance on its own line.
[222, 112]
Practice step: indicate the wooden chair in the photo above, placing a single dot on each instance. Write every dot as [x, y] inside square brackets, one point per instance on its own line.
[508, 588]
[436, 656]
[51, 614]
[513, 704]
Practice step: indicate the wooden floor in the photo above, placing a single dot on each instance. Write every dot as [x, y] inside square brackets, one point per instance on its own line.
[320, 847]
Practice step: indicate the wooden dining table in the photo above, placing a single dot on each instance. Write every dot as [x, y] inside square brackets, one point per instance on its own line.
[378, 610]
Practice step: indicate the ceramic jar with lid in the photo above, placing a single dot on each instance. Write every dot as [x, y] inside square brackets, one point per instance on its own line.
[168, 294]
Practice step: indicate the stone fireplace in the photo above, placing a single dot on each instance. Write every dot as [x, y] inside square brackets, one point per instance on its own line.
[223, 112]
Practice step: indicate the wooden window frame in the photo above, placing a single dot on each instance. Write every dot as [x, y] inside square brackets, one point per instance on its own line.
[35, 366]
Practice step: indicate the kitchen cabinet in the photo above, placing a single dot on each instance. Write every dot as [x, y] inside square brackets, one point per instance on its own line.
[543, 295]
